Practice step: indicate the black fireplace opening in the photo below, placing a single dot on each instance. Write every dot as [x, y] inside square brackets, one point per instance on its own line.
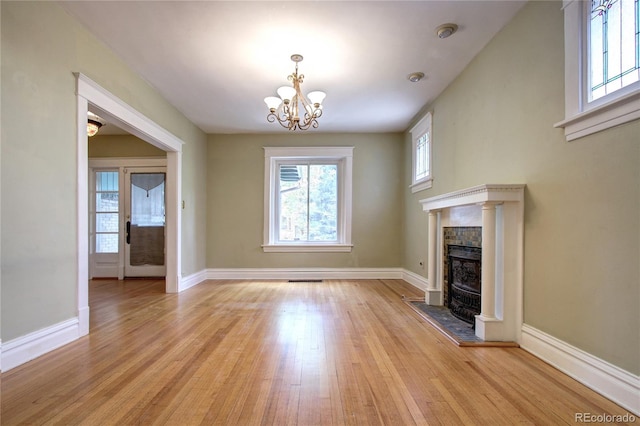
[464, 287]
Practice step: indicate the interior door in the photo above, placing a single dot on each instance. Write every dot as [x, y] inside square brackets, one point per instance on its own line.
[145, 222]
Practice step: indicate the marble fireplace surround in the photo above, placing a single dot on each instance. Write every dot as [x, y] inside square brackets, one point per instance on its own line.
[499, 210]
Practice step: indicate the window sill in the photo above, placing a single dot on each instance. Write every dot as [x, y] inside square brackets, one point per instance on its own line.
[307, 248]
[421, 186]
[614, 113]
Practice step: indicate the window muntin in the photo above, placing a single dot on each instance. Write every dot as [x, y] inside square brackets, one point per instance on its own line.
[308, 199]
[613, 47]
[421, 136]
[107, 208]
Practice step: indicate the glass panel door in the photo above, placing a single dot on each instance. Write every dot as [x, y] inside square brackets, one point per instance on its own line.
[105, 223]
[145, 226]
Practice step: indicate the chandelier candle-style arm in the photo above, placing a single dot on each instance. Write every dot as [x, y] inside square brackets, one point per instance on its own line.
[291, 102]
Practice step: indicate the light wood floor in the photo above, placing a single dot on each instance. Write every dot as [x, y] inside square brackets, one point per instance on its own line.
[276, 353]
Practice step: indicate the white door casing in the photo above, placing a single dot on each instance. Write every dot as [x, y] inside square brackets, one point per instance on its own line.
[129, 119]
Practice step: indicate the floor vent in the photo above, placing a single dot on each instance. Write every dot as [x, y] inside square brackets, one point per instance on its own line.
[305, 281]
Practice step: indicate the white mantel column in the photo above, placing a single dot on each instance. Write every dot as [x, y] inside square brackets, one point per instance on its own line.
[433, 295]
[487, 322]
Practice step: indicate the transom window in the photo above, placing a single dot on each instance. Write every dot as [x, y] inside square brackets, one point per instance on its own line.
[614, 46]
[308, 199]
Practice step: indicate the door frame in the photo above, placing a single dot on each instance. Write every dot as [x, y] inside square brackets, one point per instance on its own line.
[119, 164]
[129, 119]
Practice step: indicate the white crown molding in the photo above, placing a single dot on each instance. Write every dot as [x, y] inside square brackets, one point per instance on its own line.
[608, 380]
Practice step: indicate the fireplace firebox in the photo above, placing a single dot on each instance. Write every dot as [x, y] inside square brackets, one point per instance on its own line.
[464, 292]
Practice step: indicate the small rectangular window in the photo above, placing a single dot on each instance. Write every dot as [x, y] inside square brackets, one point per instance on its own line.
[422, 146]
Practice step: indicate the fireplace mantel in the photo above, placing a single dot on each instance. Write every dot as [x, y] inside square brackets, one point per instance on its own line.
[474, 195]
[500, 209]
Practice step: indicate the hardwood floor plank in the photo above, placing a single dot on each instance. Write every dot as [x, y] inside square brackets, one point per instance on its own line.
[339, 352]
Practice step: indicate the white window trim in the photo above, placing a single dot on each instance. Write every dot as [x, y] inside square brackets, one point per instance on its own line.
[274, 154]
[582, 118]
[423, 126]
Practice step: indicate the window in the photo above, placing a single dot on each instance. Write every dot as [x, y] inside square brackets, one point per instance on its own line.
[613, 47]
[308, 199]
[602, 65]
[107, 207]
[421, 137]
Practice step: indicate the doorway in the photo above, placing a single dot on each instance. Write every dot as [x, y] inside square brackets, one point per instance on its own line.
[129, 119]
[127, 217]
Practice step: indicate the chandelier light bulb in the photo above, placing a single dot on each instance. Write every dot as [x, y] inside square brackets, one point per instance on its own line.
[286, 93]
[316, 97]
[272, 103]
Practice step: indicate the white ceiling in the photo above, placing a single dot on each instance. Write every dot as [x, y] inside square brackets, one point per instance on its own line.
[215, 61]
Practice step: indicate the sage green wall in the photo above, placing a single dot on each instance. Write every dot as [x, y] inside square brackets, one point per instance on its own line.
[235, 187]
[494, 124]
[41, 47]
[122, 146]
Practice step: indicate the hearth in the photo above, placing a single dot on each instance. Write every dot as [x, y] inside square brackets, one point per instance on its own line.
[464, 289]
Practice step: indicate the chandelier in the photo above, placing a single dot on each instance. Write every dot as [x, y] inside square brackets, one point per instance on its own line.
[292, 109]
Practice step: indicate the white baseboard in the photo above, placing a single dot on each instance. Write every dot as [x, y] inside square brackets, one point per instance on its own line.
[83, 321]
[612, 382]
[192, 280]
[418, 281]
[303, 273]
[25, 348]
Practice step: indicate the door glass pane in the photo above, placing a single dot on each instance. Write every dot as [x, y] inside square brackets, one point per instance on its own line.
[107, 202]
[107, 222]
[147, 199]
[106, 208]
[147, 219]
[106, 243]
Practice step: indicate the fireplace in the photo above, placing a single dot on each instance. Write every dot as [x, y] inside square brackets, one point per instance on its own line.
[498, 209]
[464, 286]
